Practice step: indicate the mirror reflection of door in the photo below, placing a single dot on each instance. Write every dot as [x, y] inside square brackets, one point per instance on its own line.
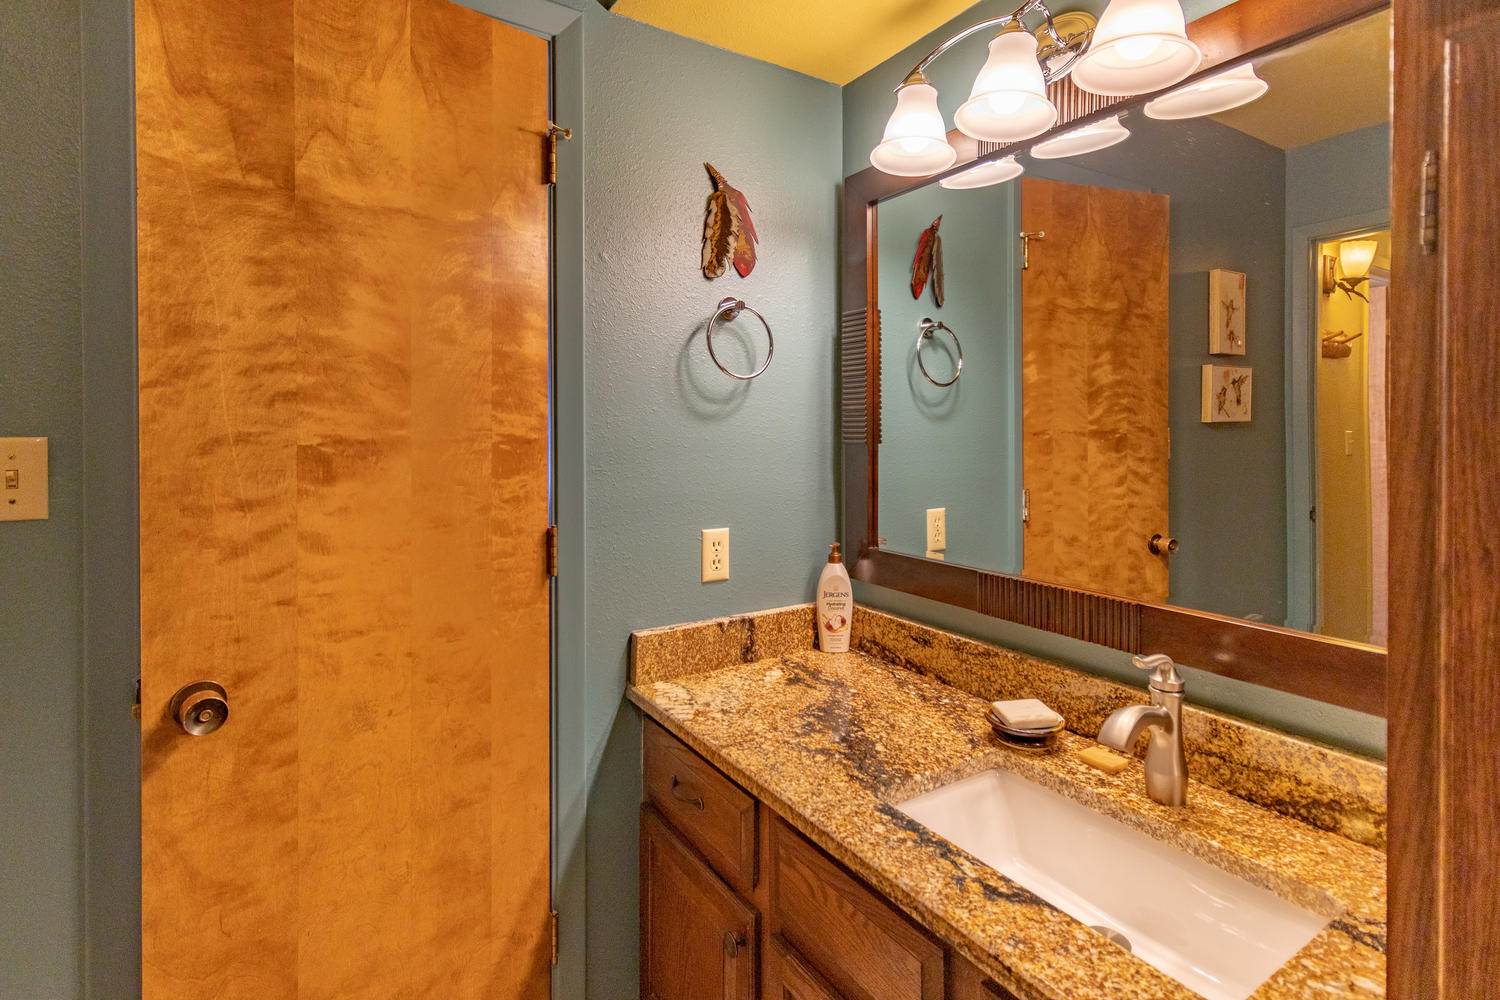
[1095, 444]
[1351, 521]
[343, 362]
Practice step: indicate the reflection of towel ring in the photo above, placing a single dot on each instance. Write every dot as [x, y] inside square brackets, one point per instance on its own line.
[728, 309]
[924, 332]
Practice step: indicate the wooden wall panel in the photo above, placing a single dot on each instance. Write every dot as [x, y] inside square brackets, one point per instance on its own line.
[343, 343]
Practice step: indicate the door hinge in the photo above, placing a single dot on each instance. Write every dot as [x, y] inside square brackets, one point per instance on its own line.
[553, 920]
[1428, 223]
[551, 550]
[554, 132]
[1025, 506]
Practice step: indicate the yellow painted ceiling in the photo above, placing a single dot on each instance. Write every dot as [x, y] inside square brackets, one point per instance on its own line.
[1349, 71]
[833, 40]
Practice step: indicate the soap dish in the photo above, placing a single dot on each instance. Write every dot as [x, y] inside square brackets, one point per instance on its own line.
[1032, 740]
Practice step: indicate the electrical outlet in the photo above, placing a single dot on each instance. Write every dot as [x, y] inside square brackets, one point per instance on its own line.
[715, 554]
[937, 529]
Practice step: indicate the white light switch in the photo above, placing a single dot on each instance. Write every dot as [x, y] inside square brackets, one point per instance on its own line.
[23, 479]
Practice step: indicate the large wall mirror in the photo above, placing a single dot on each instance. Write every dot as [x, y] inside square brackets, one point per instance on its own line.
[1154, 371]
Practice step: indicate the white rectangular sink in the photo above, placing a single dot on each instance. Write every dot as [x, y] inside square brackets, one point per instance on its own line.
[1216, 934]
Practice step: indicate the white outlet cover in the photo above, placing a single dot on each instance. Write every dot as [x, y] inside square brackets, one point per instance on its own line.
[715, 554]
[937, 529]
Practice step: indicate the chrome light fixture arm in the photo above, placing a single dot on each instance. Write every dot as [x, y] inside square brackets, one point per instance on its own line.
[1079, 43]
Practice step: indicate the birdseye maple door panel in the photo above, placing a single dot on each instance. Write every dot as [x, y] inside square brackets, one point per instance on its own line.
[343, 344]
[1094, 387]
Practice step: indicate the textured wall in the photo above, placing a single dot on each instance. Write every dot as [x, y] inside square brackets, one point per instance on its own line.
[955, 447]
[41, 597]
[672, 444]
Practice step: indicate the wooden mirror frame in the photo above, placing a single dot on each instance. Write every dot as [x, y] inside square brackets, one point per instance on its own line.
[1327, 669]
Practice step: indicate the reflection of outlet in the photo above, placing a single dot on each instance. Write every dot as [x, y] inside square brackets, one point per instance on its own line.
[937, 529]
[715, 554]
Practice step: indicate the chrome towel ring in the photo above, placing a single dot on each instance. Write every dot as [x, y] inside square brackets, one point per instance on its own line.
[729, 309]
[924, 332]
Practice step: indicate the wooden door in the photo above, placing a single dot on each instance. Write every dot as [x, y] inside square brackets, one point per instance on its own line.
[1094, 387]
[1443, 352]
[343, 342]
[789, 977]
[698, 939]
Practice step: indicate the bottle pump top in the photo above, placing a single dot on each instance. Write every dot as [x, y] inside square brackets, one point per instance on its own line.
[834, 555]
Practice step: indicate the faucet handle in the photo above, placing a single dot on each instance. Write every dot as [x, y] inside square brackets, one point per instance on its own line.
[1164, 675]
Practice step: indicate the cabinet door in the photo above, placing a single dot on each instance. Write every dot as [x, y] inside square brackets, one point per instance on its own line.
[697, 937]
[789, 977]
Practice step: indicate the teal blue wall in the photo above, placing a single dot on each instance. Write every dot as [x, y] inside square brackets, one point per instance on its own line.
[41, 598]
[955, 447]
[1343, 176]
[673, 445]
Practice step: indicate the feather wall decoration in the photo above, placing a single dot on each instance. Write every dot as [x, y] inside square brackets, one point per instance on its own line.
[928, 263]
[728, 231]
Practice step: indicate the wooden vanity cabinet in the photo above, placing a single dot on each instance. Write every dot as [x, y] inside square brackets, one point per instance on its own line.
[698, 939]
[738, 905]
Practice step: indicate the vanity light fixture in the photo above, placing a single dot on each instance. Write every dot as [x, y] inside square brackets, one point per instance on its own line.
[1232, 88]
[984, 174]
[1356, 258]
[1009, 99]
[1085, 139]
[916, 140]
[1138, 46]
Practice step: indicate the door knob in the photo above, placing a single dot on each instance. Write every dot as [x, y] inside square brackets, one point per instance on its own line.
[1163, 545]
[200, 708]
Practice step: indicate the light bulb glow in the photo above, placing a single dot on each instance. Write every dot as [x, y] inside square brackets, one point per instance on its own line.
[1356, 257]
[1232, 88]
[984, 174]
[915, 143]
[1139, 46]
[1088, 139]
[1008, 101]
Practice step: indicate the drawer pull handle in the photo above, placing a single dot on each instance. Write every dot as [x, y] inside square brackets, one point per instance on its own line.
[683, 792]
[733, 942]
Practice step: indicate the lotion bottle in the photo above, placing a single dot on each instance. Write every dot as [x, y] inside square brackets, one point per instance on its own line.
[835, 604]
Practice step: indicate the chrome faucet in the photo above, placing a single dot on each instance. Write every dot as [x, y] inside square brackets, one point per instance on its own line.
[1166, 764]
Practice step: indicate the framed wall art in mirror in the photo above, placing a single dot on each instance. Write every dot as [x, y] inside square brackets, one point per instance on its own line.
[1169, 434]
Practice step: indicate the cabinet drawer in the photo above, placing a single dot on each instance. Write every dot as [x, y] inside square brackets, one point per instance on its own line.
[857, 942]
[698, 939]
[712, 812]
[789, 977]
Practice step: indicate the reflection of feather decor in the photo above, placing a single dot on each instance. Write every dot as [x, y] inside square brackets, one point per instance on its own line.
[928, 263]
[728, 231]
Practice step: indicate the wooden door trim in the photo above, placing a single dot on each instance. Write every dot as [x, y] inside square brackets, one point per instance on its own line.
[1349, 674]
[1444, 944]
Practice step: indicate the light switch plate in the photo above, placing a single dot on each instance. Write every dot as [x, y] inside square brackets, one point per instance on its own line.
[937, 529]
[715, 546]
[23, 479]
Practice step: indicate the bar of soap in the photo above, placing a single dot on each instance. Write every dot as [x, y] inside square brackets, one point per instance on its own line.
[1025, 713]
[1104, 759]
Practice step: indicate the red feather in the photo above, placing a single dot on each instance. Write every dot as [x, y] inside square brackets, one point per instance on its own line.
[921, 264]
[744, 236]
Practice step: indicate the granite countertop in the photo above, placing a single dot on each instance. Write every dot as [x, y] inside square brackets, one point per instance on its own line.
[831, 741]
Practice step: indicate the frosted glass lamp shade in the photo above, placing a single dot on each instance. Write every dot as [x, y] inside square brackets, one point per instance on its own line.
[984, 174]
[1009, 99]
[1088, 139]
[916, 140]
[1139, 46]
[1220, 92]
[1356, 256]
